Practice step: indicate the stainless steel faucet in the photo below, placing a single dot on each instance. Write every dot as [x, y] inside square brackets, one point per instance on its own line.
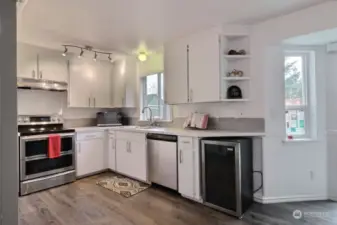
[151, 116]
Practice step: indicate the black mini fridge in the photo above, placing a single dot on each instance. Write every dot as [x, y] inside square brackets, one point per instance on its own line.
[227, 174]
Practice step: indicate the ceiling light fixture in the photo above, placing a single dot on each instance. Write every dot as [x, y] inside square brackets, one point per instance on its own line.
[142, 56]
[65, 51]
[81, 54]
[95, 58]
[90, 49]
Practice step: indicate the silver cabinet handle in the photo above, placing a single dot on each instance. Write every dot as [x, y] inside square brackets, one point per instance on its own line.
[89, 101]
[94, 102]
[181, 156]
[186, 142]
[191, 95]
[127, 146]
[130, 147]
[41, 74]
[33, 74]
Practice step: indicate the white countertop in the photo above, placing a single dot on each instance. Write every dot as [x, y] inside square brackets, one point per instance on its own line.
[175, 131]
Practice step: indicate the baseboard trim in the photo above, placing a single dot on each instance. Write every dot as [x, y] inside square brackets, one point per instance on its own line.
[295, 198]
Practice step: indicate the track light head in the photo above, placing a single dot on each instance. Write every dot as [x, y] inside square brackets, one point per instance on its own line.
[95, 58]
[65, 51]
[81, 54]
[110, 59]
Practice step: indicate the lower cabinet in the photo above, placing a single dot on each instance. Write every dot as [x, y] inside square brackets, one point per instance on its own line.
[90, 153]
[188, 168]
[131, 155]
[111, 152]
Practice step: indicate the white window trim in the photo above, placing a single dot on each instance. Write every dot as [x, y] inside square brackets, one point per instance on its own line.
[168, 118]
[307, 75]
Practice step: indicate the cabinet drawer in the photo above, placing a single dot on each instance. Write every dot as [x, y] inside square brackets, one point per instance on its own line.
[185, 142]
[88, 136]
[131, 136]
[112, 134]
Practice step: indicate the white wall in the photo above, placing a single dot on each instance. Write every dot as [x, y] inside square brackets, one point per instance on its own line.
[331, 118]
[288, 166]
[38, 102]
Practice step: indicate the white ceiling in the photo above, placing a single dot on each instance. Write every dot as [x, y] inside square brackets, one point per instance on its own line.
[123, 24]
[317, 38]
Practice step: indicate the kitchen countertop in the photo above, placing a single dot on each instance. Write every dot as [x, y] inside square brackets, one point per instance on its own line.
[174, 131]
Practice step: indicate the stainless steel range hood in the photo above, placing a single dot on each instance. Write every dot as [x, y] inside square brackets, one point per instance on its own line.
[38, 84]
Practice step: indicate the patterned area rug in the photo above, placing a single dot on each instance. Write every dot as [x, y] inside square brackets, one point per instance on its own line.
[123, 186]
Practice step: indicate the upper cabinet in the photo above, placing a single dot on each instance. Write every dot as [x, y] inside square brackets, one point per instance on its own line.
[124, 83]
[176, 72]
[40, 63]
[201, 68]
[204, 67]
[89, 83]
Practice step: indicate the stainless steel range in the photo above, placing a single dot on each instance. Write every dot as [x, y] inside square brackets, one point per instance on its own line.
[37, 170]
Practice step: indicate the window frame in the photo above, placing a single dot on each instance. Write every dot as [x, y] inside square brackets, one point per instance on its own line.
[305, 106]
[164, 111]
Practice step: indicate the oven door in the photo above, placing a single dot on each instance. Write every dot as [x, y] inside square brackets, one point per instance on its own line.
[34, 161]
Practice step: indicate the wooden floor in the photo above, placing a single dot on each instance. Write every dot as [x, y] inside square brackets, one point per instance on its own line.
[85, 203]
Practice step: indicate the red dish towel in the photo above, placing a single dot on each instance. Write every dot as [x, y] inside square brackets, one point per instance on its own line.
[54, 146]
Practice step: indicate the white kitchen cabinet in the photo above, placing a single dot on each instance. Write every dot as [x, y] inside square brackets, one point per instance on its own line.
[189, 168]
[204, 67]
[193, 68]
[26, 61]
[89, 84]
[52, 66]
[41, 63]
[131, 155]
[90, 153]
[176, 72]
[81, 77]
[124, 83]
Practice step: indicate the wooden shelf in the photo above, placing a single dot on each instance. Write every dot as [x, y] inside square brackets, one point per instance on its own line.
[237, 56]
[236, 78]
[235, 100]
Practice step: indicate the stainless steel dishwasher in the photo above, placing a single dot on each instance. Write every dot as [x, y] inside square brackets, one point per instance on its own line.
[163, 167]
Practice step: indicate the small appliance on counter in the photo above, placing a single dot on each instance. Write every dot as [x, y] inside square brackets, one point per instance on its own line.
[196, 120]
[46, 153]
[111, 118]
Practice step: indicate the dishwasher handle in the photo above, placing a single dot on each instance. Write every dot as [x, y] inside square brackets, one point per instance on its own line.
[162, 137]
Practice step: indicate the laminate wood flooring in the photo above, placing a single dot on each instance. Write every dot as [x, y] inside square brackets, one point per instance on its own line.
[85, 203]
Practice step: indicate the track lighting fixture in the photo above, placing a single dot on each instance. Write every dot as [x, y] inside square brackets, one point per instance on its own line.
[81, 54]
[89, 49]
[95, 58]
[65, 51]
[110, 59]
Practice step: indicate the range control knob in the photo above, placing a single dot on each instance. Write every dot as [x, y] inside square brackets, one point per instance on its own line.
[26, 120]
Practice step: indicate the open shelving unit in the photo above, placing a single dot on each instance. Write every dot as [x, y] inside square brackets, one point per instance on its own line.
[235, 42]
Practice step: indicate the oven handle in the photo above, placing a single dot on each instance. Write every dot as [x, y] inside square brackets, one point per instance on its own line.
[44, 136]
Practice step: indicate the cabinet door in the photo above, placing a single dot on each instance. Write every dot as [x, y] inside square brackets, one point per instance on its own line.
[118, 84]
[101, 93]
[186, 172]
[89, 156]
[112, 154]
[138, 160]
[204, 67]
[176, 72]
[52, 66]
[80, 83]
[123, 162]
[26, 61]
